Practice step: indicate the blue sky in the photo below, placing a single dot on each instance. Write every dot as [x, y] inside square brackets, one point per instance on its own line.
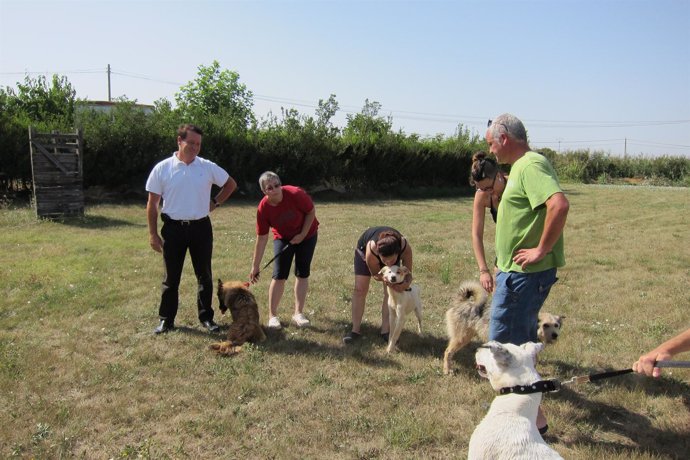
[580, 74]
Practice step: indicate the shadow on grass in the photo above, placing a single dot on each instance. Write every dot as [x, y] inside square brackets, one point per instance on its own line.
[90, 221]
[278, 342]
[600, 416]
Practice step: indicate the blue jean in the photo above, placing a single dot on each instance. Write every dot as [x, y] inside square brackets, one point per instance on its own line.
[517, 299]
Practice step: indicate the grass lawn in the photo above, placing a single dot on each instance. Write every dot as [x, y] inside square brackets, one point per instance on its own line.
[82, 375]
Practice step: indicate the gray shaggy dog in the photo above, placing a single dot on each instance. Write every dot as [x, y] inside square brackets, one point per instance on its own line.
[466, 319]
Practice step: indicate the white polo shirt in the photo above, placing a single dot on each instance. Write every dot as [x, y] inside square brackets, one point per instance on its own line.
[185, 188]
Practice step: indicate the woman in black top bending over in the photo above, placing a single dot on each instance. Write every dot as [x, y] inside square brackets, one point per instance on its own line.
[376, 248]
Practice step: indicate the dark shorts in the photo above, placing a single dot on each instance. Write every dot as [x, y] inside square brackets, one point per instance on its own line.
[361, 267]
[517, 299]
[303, 253]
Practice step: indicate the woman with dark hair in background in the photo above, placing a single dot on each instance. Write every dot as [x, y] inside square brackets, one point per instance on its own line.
[490, 183]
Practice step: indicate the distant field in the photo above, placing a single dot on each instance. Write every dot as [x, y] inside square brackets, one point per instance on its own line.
[82, 375]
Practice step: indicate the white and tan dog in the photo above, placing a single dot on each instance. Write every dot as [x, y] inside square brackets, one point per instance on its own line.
[400, 303]
[509, 429]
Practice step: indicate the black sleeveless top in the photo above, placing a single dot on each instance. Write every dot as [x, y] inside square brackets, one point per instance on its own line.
[493, 209]
[372, 234]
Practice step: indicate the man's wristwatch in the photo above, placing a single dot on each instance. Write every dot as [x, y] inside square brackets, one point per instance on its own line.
[215, 202]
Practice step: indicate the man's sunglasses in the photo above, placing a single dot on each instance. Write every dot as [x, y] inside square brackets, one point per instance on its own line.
[491, 122]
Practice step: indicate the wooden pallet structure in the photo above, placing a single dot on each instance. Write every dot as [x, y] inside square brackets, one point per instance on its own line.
[56, 165]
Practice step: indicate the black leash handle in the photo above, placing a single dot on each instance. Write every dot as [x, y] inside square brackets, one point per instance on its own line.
[685, 364]
[606, 375]
[594, 377]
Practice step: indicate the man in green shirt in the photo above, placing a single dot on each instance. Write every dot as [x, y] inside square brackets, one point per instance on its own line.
[529, 235]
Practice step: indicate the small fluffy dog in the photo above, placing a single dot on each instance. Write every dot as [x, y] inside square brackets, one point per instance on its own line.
[509, 429]
[245, 327]
[469, 317]
[400, 303]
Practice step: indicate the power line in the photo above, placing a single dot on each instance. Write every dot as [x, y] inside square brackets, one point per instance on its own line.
[53, 72]
[144, 77]
[612, 142]
[635, 141]
[401, 114]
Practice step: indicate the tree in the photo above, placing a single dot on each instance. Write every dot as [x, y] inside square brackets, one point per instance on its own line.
[326, 111]
[215, 93]
[50, 106]
[38, 103]
[368, 125]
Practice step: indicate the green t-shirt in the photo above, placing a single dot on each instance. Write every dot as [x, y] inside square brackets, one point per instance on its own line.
[522, 212]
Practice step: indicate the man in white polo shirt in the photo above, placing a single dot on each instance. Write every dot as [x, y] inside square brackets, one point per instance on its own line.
[184, 181]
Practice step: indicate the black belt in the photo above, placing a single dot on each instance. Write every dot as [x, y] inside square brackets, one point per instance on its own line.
[168, 220]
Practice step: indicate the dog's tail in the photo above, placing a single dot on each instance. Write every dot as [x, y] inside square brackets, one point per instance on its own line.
[473, 292]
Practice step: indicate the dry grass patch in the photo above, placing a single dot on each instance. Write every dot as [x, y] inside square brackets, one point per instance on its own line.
[82, 375]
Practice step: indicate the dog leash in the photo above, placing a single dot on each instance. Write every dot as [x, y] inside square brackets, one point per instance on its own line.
[273, 259]
[546, 386]
[605, 375]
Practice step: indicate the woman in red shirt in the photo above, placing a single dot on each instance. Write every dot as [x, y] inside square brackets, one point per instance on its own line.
[290, 213]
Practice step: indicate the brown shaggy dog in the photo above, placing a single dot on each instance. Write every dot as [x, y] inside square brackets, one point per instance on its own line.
[245, 327]
[469, 318]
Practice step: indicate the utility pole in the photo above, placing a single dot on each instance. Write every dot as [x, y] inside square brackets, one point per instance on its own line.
[109, 99]
[625, 147]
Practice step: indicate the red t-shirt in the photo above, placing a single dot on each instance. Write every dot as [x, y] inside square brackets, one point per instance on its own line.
[286, 219]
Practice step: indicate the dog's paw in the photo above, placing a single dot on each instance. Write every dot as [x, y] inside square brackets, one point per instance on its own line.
[225, 348]
[392, 349]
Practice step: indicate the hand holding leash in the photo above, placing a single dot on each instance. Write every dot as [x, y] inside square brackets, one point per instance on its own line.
[254, 277]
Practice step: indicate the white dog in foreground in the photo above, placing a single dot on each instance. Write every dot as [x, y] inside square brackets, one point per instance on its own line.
[509, 429]
[400, 303]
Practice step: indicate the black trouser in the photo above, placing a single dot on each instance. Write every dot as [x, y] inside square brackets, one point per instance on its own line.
[178, 236]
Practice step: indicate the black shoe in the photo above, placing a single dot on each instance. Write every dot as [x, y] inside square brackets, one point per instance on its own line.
[384, 337]
[351, 337]
[164, 326]
[210, 325]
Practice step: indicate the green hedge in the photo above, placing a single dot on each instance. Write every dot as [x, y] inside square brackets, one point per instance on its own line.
[121, 146]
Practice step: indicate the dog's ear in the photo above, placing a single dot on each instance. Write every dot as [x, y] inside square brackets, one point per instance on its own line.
[533, 348]
[383, 270]
[502, 355]
[404, 270]
[560, 318]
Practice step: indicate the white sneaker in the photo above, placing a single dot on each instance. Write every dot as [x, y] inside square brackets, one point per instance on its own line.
[274, 322]
[300, 320]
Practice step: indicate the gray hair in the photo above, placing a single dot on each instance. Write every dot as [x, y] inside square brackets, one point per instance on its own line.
[268, 176]
[510, 125]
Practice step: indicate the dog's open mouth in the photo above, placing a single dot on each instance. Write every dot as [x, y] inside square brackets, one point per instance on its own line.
[482, 371]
